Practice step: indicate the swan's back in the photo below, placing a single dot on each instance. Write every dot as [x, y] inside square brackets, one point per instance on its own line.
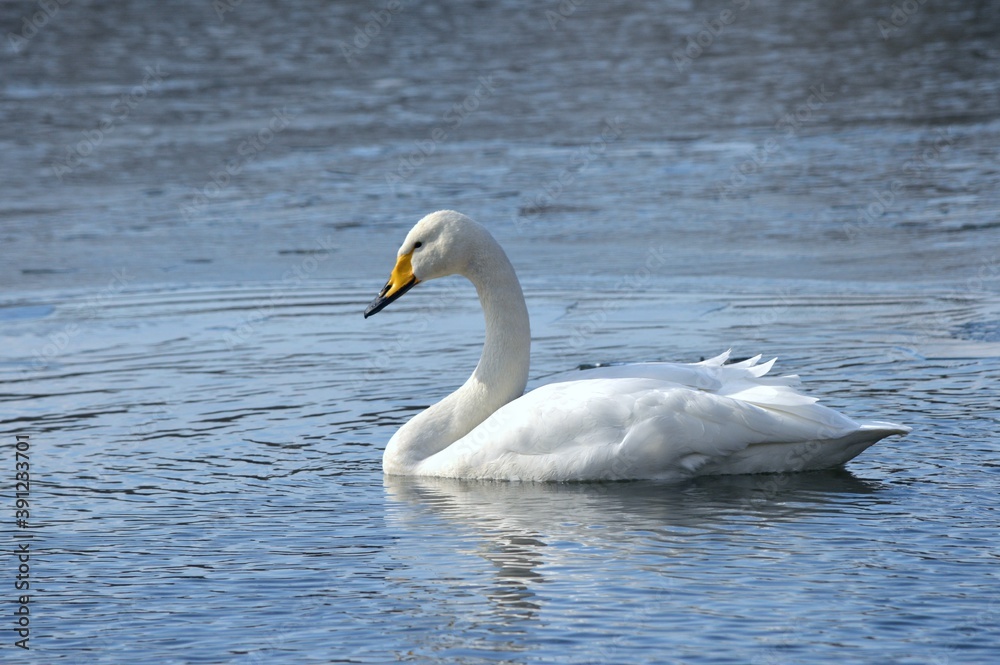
[658, 420]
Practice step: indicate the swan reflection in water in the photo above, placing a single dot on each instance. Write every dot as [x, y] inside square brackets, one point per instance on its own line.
[573, 534]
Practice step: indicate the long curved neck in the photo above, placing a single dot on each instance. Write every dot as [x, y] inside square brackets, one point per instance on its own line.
[500, 376]
[503, 365]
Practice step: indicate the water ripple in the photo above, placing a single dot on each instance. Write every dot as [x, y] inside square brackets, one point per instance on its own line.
[207, 490]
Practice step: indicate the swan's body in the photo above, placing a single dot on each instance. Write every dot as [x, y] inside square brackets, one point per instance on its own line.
[648, 420]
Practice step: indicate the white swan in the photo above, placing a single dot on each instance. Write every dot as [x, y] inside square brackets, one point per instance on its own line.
[647, 420]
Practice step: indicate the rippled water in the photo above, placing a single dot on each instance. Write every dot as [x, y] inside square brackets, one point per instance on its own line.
[206, 495]
[207, 408]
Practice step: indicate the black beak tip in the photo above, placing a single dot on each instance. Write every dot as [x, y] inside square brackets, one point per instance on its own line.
[381, 301]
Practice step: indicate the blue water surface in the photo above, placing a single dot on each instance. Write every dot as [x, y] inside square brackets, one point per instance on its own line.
[182, 340]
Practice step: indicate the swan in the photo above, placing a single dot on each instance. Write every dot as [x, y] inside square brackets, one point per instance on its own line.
[653, 420]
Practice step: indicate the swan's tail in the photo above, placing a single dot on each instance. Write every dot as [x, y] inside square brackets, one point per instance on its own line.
[879, 429]
[805, 455]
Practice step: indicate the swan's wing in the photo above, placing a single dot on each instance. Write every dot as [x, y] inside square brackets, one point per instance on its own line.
[616, 429]
[693, 375]
[746, 381]
[712, 374]
[656, 420]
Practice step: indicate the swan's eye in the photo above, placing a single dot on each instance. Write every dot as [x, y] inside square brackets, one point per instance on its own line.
[418, 245]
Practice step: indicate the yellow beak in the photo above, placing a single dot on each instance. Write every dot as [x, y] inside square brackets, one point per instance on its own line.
[400, 281]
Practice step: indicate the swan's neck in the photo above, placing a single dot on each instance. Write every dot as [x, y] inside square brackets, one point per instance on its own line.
[499, 377]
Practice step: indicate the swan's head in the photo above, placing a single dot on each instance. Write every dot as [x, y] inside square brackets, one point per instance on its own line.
[442, 243]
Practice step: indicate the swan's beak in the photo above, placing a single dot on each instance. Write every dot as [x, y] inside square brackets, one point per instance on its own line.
[400, 281]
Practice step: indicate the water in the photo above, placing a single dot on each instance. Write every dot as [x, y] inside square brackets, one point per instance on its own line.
[205, 502]
[207, 408]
